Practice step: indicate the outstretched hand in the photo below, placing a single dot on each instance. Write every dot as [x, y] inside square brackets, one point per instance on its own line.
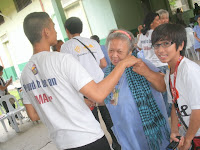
[10, 80]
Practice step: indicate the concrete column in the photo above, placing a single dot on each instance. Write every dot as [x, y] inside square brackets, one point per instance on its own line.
[59, 12]
[190, 2]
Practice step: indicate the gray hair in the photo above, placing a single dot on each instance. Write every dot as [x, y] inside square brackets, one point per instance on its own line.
[122, 35]
[162, 11]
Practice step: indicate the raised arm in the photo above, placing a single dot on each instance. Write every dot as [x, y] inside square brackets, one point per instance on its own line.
[3, 88]
[155, 78]
[98, 92]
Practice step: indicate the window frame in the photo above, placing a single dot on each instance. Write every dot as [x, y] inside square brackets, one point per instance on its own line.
[16, 2]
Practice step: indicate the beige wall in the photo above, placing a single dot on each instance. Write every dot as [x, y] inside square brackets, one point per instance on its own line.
[20, 49]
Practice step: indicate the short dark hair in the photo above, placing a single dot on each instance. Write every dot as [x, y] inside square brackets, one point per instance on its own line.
[171, 32]
[1, 68]
[74, 25]
[149, 18]
[33, 25]
[95, 37]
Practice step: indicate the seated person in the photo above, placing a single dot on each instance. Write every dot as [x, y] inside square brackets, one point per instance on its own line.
[4, 90]
[136, 107]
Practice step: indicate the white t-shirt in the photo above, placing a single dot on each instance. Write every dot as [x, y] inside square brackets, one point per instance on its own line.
[83, 55]
[190, 37]
[145, 44]
[188, 85]
[52, 81]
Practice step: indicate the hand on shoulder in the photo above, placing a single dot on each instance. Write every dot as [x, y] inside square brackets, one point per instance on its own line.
[129, 61]
[141, 68]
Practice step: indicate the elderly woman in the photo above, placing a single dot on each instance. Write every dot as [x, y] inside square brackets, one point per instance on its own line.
[136, 108]
[164, 16]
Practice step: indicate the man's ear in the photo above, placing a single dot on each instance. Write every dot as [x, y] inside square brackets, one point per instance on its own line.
[68, 33]
[45, 32]
[181, 46]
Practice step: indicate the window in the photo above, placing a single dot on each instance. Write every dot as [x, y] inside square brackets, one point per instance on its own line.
[1, 18]
[21, 4]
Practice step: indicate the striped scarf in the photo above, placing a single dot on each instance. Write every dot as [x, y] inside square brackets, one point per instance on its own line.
[152, 119]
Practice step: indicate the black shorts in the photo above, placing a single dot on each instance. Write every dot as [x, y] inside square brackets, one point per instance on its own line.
[100, 144]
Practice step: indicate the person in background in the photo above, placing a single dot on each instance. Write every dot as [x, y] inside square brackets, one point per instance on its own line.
[182, 82]
[197, 38]
[152, 21]
[4, 91]
[103, 48]
[179, 15]
[57, 46]
[190, 41]
[54, 85]
[164, 16]
[103, 109]
[136, 107]
[196, 9]
[87, 51]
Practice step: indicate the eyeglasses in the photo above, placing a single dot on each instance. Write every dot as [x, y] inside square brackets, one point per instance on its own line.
[164, 45]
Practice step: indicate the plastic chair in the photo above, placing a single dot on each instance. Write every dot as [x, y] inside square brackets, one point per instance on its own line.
[12, 110]
[4, 116]
[191, 53]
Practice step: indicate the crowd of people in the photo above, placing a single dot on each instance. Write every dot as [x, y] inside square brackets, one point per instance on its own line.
[135, 86]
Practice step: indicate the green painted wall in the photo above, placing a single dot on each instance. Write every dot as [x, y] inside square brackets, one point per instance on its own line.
[100, 17]
[103, 41]
[21, 66]
[60, 16]
[8, 72]
[128, 14]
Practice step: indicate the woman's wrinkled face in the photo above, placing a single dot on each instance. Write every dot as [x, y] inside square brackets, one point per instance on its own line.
[164, 18]
[117, 50]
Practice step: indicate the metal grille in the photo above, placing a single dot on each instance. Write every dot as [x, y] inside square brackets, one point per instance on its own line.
[21, 4]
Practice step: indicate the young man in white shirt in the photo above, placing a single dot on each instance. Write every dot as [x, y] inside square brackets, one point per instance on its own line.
[91, 58]
[182, 82]
[54, 85]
